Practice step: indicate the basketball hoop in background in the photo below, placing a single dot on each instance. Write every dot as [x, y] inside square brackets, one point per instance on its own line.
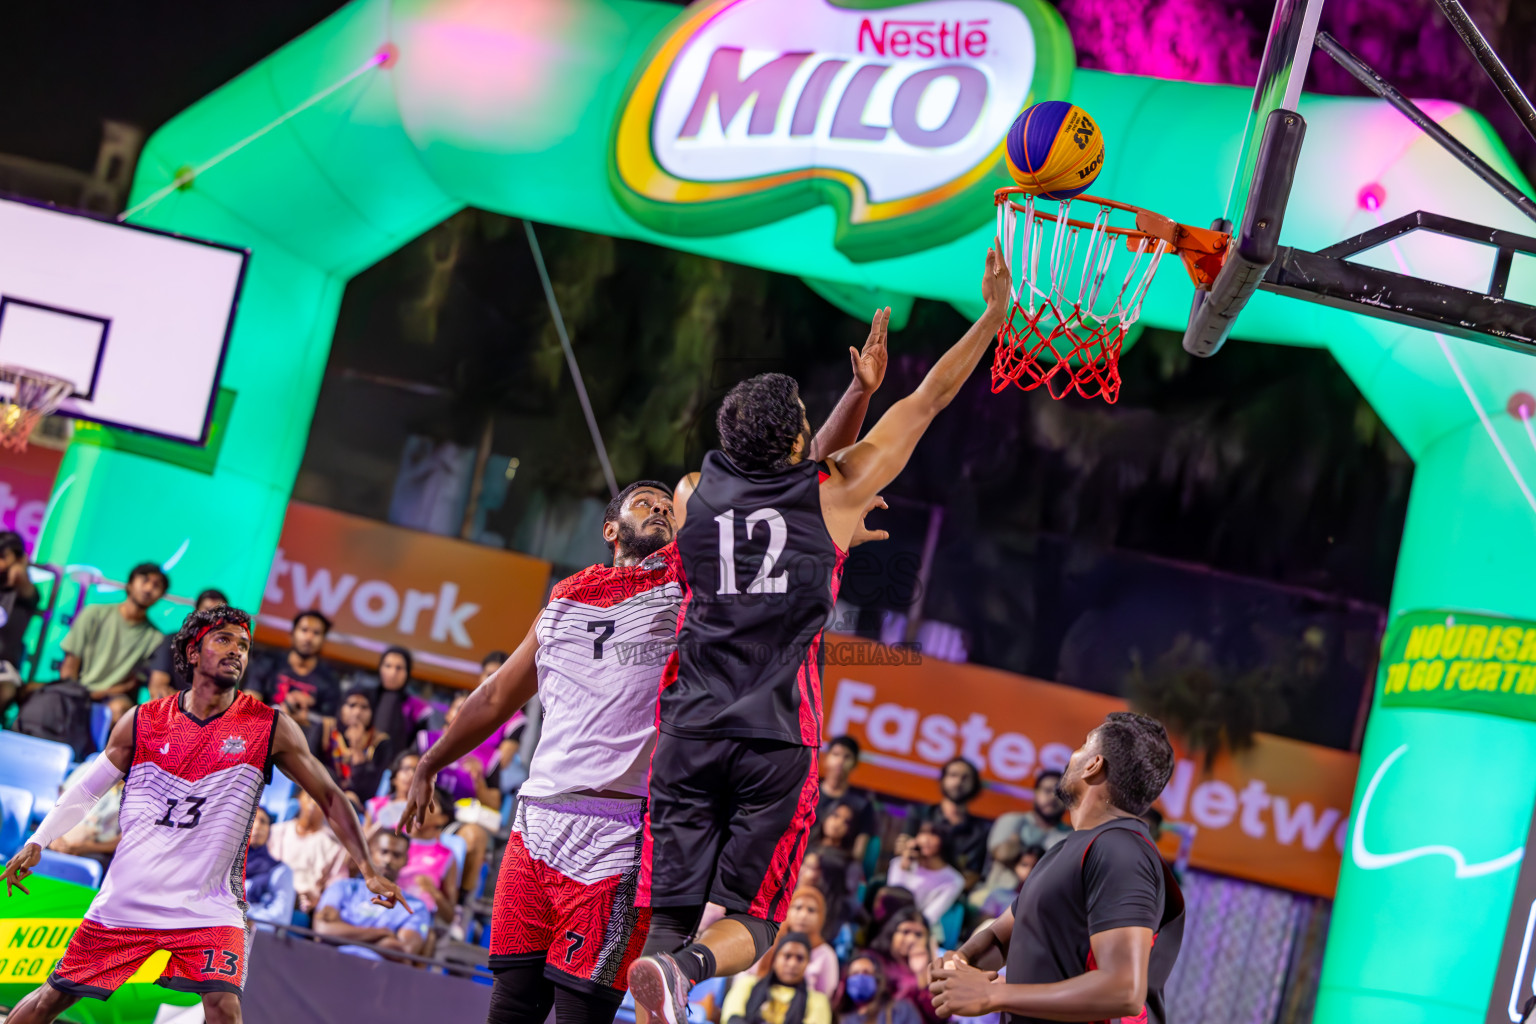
[30, 396]
[1068, 320]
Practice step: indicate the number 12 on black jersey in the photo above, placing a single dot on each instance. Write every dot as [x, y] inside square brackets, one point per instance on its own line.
[778, 536]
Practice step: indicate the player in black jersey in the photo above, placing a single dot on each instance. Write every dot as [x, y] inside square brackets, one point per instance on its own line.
[763, 531]
[1096, 928]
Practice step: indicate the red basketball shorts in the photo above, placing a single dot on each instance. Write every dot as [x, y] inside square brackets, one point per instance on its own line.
[101, 958]
[580, 922]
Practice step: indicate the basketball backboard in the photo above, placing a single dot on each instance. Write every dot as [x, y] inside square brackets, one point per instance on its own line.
[1342, 275]
[137, 319]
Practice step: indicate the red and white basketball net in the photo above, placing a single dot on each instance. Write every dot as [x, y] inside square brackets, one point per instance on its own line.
[28, 397]
[1066, 327]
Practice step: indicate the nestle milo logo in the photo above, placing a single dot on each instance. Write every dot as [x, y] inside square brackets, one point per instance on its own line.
[748, 111]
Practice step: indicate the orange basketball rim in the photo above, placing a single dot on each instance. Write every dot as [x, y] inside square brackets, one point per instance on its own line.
[1068, 318]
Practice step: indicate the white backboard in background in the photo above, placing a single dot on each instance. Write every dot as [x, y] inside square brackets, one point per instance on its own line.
[137, 319]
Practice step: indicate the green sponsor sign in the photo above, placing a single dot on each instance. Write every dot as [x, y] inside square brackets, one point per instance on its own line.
[34, 932]
[1456, 661]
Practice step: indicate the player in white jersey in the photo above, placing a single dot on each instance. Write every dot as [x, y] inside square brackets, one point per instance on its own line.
[565, 927]
[195, 764]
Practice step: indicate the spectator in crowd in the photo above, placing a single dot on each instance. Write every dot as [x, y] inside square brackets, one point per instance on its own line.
[300, 705]
[884, 902]
[905, 946]
[1043, 825]
[163, 677]
[866, 998]
[959, 784]
[836, 832]
[311, 851]
[397, 712]
[998, 895]
[97, 834]
[18, 602]
[829, 871]
[780, 994]
[384, 811]
[465, 779]
[924, 866]
[431, 871]
[357, 753]
[837, 764]
[807, 915]
[268, 881]
[300, 668]
[107, 643]
[347, 910]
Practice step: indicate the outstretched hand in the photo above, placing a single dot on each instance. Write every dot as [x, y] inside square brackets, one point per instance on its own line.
[869, 364]
[386, 893]
[419, 800]
[862, 534]
[21, 866]
[997, 282]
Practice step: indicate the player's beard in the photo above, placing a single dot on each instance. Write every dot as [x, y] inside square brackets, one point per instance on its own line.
[639, 545]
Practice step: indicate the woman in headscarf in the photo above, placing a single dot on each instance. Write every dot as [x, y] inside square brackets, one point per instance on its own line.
[357, 753]
[781, 995]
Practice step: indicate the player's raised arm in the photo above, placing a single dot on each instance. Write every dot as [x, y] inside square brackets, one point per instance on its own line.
[487, 709]
[290, 752]
[861, 471]
[77, 801]
[847, 419]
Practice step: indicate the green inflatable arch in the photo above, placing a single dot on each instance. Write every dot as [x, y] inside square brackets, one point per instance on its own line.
[514, 106]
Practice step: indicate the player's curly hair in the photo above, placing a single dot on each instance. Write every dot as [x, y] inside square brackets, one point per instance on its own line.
[1137, 756]
[194, 624]
[759, 421]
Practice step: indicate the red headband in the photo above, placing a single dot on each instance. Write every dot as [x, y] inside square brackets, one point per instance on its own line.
[198, 639]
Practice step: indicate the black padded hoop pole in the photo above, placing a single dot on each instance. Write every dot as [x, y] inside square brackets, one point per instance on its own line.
[1489, 59]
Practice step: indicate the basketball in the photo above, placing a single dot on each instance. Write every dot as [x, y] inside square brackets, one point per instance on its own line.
[1055, 150]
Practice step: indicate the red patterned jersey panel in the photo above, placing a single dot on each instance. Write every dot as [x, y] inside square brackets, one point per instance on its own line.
[603, 586]
[169, 737]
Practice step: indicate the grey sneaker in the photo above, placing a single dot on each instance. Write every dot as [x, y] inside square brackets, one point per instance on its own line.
[659, 985]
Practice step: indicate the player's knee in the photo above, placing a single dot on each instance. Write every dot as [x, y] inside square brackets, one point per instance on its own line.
[221, 1008]
[763, 932]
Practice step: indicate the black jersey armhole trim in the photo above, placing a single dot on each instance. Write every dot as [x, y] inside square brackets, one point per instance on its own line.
[266, 771]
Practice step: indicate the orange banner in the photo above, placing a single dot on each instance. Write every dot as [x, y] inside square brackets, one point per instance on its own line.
[1276, 813]
[26, 480]
[447, 601]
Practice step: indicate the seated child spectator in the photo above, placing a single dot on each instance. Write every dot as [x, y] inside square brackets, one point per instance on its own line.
[307, 845]
[865, 997]
[923, 865]
[430, 871]
[780, 994]
[268, 882]
[384, 811]
[347, 910]
[837, 832]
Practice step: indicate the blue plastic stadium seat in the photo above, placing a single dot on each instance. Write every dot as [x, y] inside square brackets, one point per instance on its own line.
[278, 798]
[101, 723]
[17, 806]
[68, 868]
[950, 926]
[36, 765]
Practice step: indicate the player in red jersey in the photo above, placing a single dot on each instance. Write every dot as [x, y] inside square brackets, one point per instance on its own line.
[565, 927]
[195, 762]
